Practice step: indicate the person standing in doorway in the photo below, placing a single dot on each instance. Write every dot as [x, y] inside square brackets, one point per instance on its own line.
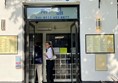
[49, 63]
[38, 58]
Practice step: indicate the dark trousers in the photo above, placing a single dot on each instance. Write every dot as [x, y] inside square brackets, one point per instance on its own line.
[50, 71]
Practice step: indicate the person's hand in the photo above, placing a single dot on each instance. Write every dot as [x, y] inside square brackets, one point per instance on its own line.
[45, 55]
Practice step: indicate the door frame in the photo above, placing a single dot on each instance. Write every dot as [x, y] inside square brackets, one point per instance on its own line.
[52, 20]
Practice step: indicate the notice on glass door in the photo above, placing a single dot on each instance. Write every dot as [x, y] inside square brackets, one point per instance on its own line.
[63, 50]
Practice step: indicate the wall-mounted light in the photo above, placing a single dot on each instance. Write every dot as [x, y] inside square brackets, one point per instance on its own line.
[98, 18]
[98, 25]
[99, 4]
[3, 24]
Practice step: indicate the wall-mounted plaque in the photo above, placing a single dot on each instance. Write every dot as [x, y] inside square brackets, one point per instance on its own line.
[99, 43]
[8, 44]
[101, 62]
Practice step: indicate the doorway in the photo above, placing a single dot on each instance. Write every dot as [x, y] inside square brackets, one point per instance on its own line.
[64, 35]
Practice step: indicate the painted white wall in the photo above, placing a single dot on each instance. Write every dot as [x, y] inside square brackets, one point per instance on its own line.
[88, 9]
[12, 14]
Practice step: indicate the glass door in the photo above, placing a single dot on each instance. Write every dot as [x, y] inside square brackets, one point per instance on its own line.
[74, 53]
[66, 48]
[29, 53]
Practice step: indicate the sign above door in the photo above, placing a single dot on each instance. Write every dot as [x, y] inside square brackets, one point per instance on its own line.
[52, 13]
[54, 0]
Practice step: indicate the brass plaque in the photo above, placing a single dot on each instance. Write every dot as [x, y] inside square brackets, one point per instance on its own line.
[100, 43]
[8, 44]
[101, 62]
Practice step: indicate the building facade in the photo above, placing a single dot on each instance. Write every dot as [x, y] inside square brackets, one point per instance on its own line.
[97, 24]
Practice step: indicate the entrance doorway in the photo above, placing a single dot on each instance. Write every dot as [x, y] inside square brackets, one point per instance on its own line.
[64, 35]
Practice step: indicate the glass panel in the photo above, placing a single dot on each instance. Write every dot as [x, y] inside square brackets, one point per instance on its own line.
[60, 40]
[52, 13]
[63, 62]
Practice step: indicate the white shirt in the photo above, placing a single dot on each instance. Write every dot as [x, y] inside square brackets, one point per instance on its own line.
[49, 53]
